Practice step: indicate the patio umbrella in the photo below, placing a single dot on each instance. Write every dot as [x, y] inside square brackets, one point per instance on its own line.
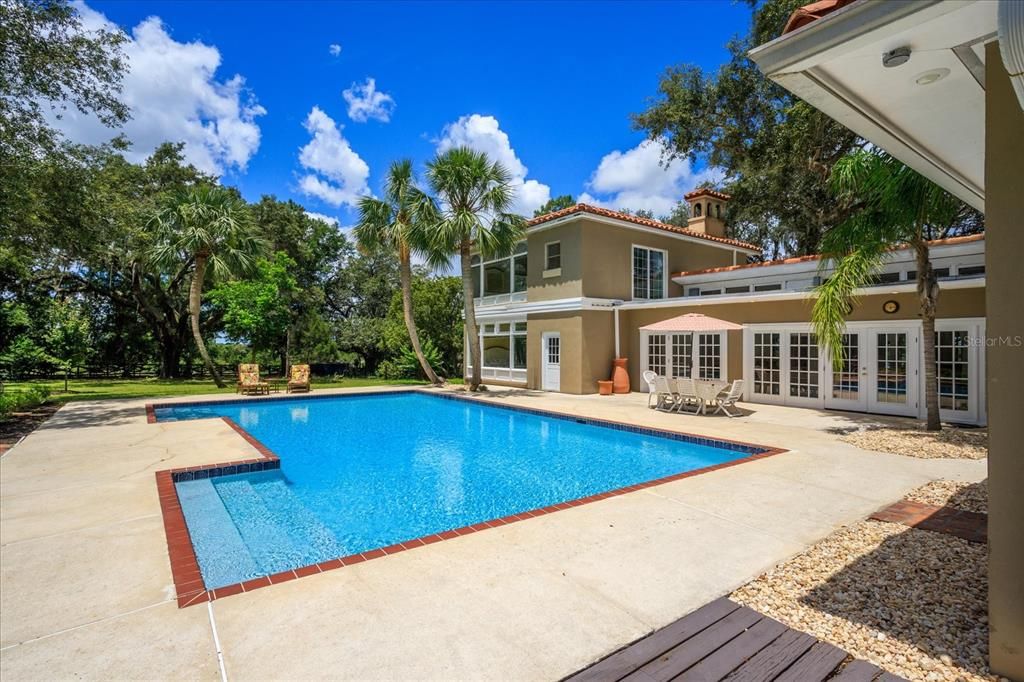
[691, 322]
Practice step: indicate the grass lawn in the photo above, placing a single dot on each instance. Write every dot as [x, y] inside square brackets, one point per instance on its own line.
[104, 389]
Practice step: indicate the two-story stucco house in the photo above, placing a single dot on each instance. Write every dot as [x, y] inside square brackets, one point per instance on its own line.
[587, 284]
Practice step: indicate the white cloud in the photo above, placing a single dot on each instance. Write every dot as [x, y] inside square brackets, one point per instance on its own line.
[484, 134]
[330, 220]
[365, 102]
[337, 174]
[334, 49]
[636, 179]
[175, 96]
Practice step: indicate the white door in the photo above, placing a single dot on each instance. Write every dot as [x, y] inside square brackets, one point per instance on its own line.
[846, 385]
[892, 370]
[551, 361]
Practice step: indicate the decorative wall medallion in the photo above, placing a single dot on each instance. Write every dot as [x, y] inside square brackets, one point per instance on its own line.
[891, 307]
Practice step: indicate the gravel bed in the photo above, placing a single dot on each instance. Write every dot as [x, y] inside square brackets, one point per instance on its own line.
[914, 441]
[972, 497]
[910, 601]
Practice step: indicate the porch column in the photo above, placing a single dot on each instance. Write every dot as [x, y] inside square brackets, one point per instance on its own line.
[1004, 220]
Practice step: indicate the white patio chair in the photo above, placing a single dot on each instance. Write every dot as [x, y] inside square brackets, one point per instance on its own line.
[727, 399]
[652, 390]
[687, 394]
[666, 394]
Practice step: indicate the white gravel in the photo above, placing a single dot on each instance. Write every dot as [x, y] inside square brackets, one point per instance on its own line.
[913, 440]
[971, 497]
[911, 601]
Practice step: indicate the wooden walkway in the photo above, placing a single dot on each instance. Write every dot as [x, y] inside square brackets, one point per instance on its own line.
[723, 640]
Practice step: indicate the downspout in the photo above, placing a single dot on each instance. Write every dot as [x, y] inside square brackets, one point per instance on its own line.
[615, 314]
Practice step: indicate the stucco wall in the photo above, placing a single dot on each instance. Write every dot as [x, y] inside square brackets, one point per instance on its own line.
[1004, 213]
[952, 304]
[608, 258]
[569, 283]
[570, 328]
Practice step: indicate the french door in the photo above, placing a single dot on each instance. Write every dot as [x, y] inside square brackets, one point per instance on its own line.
[893, 379]
[846, 383]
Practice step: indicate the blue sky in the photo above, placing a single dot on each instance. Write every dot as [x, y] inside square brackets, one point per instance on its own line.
[256, 91]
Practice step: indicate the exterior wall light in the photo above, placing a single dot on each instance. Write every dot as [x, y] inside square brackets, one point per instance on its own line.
[929, 77]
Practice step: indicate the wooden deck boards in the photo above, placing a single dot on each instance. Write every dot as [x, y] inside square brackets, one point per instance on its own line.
[723, 640]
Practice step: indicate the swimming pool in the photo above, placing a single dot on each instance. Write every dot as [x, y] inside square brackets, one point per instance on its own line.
[363, 472]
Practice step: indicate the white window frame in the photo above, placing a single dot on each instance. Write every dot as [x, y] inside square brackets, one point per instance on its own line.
[670, 363]
[552, 272]
[632, 273]
[498, 299]
[510, 373]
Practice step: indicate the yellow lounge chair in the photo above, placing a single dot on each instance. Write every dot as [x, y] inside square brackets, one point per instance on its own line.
[249, 381]
[298, 380]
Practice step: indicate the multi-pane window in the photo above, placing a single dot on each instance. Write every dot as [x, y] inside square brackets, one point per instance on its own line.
[846, 379]
[553, 255]
[503, 345]
[803, 365]
[554, 349]
[648, 273]
[952, 370]
[767, 363]
[709, 356]
[656, 354]
[891, 367]
[500, 276]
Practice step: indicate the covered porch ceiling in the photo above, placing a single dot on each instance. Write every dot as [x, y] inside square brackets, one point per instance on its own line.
[835, 64]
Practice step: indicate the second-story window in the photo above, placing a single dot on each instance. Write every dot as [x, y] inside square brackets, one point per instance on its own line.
[500, 276]
[648, 273]
[553, 255]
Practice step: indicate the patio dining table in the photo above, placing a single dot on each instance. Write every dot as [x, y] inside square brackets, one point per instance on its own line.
[707, 390]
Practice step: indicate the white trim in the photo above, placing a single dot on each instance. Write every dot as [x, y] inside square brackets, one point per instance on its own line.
[901, 288]
[634, 226]
[665, 275]
[558, 305]
[723, 338]
[545, 337]
[553, 272]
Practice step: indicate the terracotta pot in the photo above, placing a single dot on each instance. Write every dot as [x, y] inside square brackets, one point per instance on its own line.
[620, 375]
[604, 387]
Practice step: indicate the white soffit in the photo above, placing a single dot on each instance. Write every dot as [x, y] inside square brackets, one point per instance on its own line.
[938, 128]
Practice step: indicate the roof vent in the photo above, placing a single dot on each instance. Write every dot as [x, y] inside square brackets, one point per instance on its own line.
[897, 57]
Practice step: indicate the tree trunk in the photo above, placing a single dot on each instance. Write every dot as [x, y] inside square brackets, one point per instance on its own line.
[928, 293]
[405, 276]
[195, 300]
[472, 335]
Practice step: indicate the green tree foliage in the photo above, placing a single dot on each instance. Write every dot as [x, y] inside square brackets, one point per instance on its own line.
[390, 223]
[205, 227]
[777, 151]
[892, 205]
[257, 310]
[555, 204]
[475, 197]
[437, 305]
[679, 216]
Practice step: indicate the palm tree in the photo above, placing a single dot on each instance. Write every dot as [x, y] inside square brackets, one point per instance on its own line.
[388, 223]
[210, 227]
[474, 197]
[892, 206]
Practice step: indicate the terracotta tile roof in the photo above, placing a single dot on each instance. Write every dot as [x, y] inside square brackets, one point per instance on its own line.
[810, 13]
[804, 259]
[704, 191]
[646, 222]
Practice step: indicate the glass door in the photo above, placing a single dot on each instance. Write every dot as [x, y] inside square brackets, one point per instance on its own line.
[846, 388]
[892, 371]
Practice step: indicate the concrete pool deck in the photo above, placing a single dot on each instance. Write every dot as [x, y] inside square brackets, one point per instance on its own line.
[86, 587]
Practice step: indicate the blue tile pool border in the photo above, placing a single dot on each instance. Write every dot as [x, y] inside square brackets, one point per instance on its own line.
[190, 589]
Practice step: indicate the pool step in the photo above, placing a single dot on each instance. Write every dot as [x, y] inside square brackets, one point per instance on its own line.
[222, 554]
[277, 529]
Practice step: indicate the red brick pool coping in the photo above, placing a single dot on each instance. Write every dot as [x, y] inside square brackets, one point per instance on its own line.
[188, 581]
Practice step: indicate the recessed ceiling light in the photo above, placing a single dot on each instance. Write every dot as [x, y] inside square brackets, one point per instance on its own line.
[897, 57]
[929, 77]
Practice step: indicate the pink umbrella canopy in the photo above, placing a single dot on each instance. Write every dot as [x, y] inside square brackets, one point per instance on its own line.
[692, 322]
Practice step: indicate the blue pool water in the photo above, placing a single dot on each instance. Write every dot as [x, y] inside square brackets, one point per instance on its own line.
[362, 472]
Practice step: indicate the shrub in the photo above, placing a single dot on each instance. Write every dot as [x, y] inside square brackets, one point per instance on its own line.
[16, 400]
